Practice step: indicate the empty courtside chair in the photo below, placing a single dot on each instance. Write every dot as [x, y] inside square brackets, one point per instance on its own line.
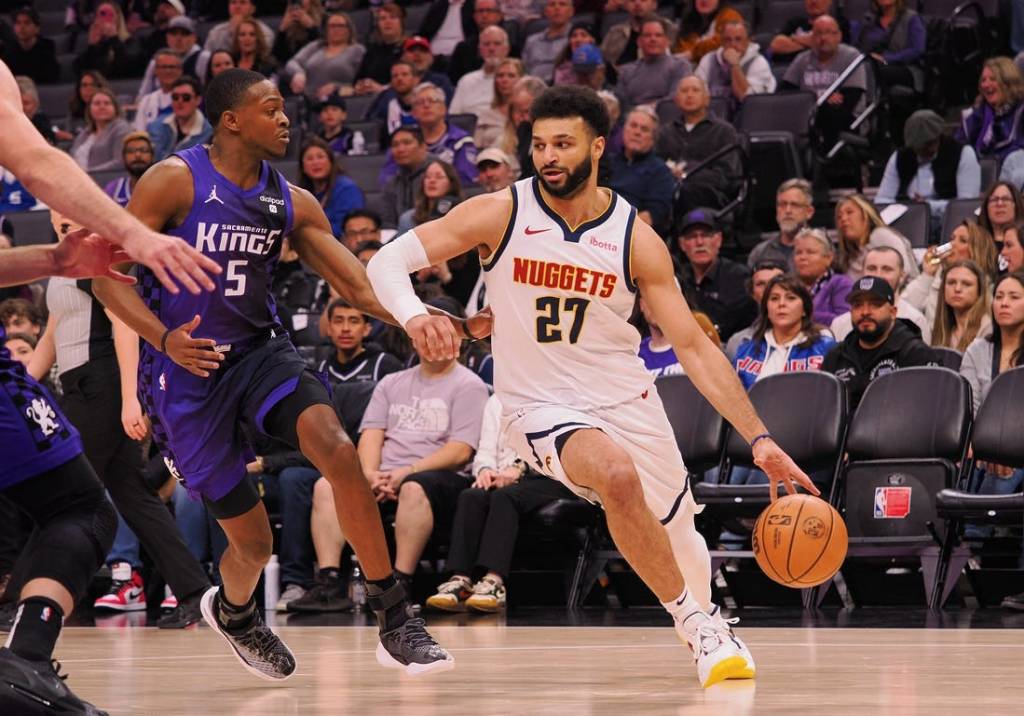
[906, 443]
[915, 223]
[996, 438]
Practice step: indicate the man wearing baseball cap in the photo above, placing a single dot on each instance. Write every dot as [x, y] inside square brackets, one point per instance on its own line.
[496, 172]
[417, 51]
[879, 343]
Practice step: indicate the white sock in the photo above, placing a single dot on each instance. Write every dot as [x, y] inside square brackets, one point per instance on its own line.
[687, 611]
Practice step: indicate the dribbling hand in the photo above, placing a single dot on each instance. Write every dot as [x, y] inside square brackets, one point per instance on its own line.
[779, 467]
[434, 337]
[196, 355]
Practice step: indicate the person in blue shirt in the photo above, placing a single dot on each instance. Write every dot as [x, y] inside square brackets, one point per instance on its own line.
[639, 175]
[320, 173]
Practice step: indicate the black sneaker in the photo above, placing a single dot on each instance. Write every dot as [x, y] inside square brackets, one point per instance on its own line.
[184, 615]
[408, 647]
[28, 688]
[327, 595]
[1014, 601]
[259, 649]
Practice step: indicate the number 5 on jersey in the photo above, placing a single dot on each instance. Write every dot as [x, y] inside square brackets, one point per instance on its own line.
[235, 277]
[551, 309]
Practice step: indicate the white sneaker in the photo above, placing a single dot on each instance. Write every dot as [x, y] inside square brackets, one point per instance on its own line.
[717, 653]
[290, 594]
[716, 615]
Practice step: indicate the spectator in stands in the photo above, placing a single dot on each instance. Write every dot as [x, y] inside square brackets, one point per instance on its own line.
[383, 49]
[185, 126]
[878, 344]
[300, 27]
[446, 24]
[930, 167]
[794, 207]
[963, 312]
[138, 156]
[818, 67]
[250, 49]
[985, 359]
[713, 284]
[366, 250]
[655, 349]
[326, 65]
[352, 360]
[417, 438]
[655, 74]
[441, 191]
[22, 346]
[221, 37]
[812, 264]
[798, 33]
[737, 68]
[409, 150]
[418, 53]
[516, 142]
[88, 82]
[968, 242]
[446, 141]
[393, 105]
[542, 48]
[475, 90]
[492, 121]
[859, 227]
[638, 174]
[466, 57]
[111, 49]
[1001, 208]
[98, 145]
[895, 37]
[31, 55]
[164, 12]
[495, 169]
[995, 125]
[700, 27]
[360, 226]
[167, 68]
[220, 60]
[181, 39]
[321, 174]
[763, 273]
[30, 105]
[580, 34]
[332, 113]
[1011, 256]
[619, 45]
[487, 519]
[887, 263]
[19, 315]
[786, 337]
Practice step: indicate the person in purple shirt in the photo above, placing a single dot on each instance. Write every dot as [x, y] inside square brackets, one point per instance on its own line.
[137, 152]
[332, 113]
[655, 350]
[995, 125]
[812, 263]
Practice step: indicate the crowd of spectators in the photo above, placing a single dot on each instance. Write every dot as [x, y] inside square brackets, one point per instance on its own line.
[439, 93]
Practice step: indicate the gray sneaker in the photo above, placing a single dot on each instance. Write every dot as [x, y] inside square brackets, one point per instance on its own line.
[411, 648]
[290, 594]
[259, 649]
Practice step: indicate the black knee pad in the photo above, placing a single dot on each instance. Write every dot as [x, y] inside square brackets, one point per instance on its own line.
[74, 542]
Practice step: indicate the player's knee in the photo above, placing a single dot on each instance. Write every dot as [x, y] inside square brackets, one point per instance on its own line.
[621, 484]
[255, 549]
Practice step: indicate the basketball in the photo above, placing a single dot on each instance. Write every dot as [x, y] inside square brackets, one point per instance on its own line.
[800, 541]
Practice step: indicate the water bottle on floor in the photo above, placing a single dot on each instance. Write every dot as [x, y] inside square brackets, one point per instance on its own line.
[357, 587]
[271, 584]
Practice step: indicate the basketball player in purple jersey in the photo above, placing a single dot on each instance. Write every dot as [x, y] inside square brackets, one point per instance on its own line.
[43, 469]
[214, 362]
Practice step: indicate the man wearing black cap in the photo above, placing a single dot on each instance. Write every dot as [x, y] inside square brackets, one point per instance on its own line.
[879, 342]
[332, 113]
[712, 284]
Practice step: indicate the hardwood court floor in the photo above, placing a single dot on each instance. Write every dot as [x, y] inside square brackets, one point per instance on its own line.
[551, 670]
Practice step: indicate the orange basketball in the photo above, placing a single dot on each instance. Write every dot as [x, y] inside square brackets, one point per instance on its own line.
[800, 541]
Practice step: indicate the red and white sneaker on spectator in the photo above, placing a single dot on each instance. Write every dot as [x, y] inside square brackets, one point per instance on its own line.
[170, 601]
[126, 590]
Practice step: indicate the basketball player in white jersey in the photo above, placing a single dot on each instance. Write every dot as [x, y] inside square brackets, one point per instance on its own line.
[564, 260]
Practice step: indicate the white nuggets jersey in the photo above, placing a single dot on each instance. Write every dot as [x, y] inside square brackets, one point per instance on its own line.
[561, 298]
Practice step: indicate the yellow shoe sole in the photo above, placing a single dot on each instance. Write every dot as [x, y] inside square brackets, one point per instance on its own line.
[489, 606]
[444, 605]
[735, 667]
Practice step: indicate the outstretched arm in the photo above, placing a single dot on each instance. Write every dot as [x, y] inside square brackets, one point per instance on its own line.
[704, 363]
[79, 255]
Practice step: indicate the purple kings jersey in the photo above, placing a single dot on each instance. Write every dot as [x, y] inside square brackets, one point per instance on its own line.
[240, 230]
[34, 436]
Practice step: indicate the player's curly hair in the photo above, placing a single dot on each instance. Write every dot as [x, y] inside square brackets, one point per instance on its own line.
[568, 101]
[226, 90]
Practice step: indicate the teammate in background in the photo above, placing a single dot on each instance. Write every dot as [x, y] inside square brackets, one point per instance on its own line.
[579, 406]
[220, 359]
[53, 177]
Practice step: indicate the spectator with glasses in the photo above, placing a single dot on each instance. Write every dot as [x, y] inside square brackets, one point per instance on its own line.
[186, 126]
[137, 152]
[794, 207]
[359, 226]
[167, 68]
[1002, 207]
[326, 65]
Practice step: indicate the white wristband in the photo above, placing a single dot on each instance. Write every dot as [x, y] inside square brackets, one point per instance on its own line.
[389, 271]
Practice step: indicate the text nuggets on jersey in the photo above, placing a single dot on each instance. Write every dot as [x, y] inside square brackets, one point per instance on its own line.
[566, 277]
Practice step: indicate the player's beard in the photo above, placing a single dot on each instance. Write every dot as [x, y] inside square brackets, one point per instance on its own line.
[575, 179]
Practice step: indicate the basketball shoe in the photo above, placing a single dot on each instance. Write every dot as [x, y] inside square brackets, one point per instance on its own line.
[404, 644]
[259, 649]
[716, 616]
[488, 596]
[717, 653]
[31, 688]
[126, 592]
[451, 595]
